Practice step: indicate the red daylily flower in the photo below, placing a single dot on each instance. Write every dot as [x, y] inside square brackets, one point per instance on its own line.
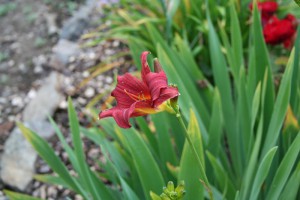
[267, 9]
[278, 31]
[137, 97]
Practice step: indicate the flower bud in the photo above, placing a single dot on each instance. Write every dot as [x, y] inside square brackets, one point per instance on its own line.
[157, 66]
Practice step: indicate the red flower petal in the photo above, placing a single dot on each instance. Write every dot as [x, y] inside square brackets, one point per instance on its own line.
[122, 115]
[280, 31]
[155, 82]
[145, 67]
[130, 89]
[166, 94]
[267, 9]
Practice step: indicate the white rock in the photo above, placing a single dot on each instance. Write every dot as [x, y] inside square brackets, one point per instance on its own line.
[22, 67]
[81, 100]
[63, 104]
[17, 101]
[3, 100]
[38, 69]
[64, 49]
[108, 79]
[89, 92]
[115, 43]
[17, 166]
[31, 94]
[18, 159]
[85, 74]
[47, 99]
[11, 63]
[92, 55]
[51, 22]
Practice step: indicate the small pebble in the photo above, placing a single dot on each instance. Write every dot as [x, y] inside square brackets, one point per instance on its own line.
[82, 101]
[85, 74]
[89, 92]
[38, 69]
[31, 94]
[17, 101]
[115, 43]
[51, 191]
[11, 63]
[63, 105]
[44, 169]
[3, 100]
[22, 67]
[92, 55]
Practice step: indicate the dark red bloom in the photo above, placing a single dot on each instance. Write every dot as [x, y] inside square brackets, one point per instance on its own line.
[137, 97]
[278, 31]
[267, 9]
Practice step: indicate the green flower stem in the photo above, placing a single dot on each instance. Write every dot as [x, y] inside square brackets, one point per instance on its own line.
[205, 181]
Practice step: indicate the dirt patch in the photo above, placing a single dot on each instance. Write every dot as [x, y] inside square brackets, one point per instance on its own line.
[29, 29]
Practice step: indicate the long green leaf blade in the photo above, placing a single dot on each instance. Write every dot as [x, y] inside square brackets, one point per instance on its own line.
[189, 168]
[221, 77]
[293, 185]
[18, 196]
[149, 173]
[284, 169]
[262, 173]
[85, 173]
[280, 108]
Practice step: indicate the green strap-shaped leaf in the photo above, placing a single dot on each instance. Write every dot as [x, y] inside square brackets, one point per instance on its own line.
[128, 192]
[236, 40]
[50, 179]
[284, 169]
[189, 168]
[143, 125]
[148, 171]
[65, 145]
[222, 177]
[262, 173]
[93, 184]
[296, 71]
[280, 108]
[216, 124]
[166, 149]
[222, 80]
[293, 185]
[18, 196]
[262, 64]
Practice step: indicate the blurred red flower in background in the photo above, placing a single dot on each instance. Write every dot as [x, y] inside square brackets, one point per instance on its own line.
[278, 31]
[137, 97]
[267, 9]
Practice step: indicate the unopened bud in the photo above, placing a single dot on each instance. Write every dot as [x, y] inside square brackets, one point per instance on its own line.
[157, 66]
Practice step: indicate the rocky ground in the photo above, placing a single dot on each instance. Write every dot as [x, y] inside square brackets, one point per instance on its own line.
[42, 61]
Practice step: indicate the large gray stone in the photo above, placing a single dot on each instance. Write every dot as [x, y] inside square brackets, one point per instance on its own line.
[74, 27]
[17, 163]
[64, 49]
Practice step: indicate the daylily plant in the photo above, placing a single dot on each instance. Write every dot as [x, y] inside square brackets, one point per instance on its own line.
[137, 97]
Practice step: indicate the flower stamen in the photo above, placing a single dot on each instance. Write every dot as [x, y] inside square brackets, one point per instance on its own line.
[139, 97]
